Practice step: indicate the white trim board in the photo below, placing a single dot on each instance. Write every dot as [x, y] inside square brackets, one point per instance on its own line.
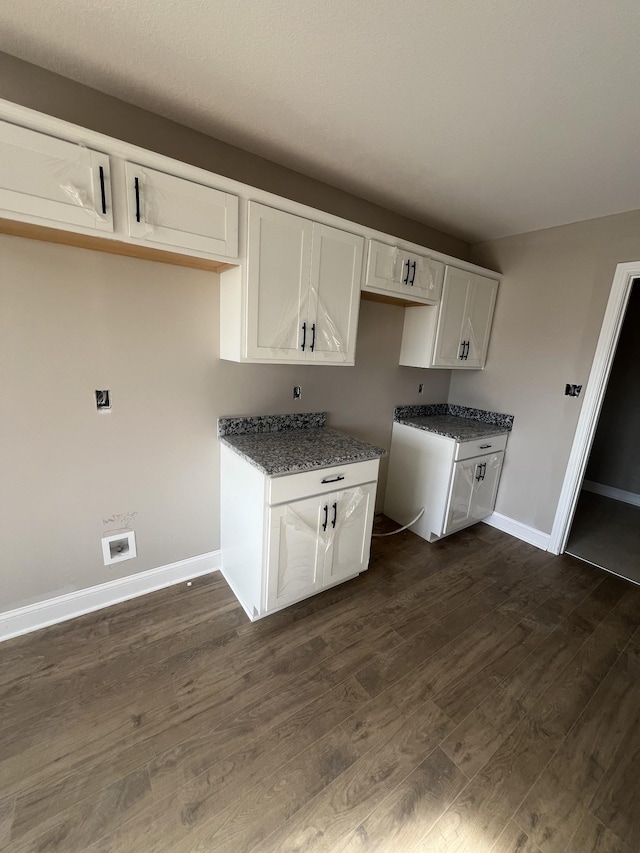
[521, 531]
[611, 492]
[32, 617]
[593, 398]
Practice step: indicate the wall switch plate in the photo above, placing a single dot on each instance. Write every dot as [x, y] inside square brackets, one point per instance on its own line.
[103, 400]
[119, 546]
[572, 390]
[297, 392]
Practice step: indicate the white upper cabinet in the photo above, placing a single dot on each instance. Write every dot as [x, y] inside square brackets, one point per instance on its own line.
[53, 182]
[454, 334]
[466, 312]
[302, 292]
[394, 272]
[175, 212]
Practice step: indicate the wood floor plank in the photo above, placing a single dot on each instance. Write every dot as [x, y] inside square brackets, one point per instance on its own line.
[332, 816]
[592, 836]
[469, 695]
[514, 839]
[401, 820]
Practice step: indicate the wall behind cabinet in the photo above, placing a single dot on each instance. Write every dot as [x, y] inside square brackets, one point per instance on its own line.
[73, 320]
[50, 93]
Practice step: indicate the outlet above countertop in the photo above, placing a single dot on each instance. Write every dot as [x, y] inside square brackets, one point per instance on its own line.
[291, 444]
[453, 421]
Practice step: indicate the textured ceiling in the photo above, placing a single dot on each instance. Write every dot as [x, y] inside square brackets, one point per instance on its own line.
[480, 118]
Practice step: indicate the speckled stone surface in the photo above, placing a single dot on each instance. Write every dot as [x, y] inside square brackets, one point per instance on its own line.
[270, 423]
[291, 451]
[453, 421]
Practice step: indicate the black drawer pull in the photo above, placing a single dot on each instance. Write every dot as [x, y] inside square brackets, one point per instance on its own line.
[137, 187]
[103, 195]
[332, 479]
[485, 446]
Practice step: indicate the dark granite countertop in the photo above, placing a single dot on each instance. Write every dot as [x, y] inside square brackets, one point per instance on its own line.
[299, 446]
[453, 421]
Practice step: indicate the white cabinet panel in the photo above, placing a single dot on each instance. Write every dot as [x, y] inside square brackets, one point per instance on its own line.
[296, 551]
[473, 491]
[336, 269]
[464, 322]
[278, 264]
[53, 182]
[456, 333]
[351, 521]
[302, 291]
[173, 211]
[396, 272]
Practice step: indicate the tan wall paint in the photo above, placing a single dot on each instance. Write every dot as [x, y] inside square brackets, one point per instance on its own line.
[50, 93]
[549, 313]
[73, 320]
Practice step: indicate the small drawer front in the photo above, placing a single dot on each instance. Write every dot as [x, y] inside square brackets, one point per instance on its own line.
[291, 487]
[480, 446]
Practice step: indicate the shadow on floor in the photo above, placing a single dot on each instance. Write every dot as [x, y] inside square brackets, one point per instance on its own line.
[606, 532]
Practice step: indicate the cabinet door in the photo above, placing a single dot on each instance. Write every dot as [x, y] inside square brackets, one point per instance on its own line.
[349, 533]
[336, 269]
[278, 270]
[176, 212]
[296, 550]
[383, 267]
[477, 325]
[486, 487]
[461, 495]
[44, 179]
[448, 351]
[423, 276]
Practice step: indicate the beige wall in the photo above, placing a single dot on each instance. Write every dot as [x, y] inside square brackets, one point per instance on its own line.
[72, 321]
[550, 308]
[49, 93]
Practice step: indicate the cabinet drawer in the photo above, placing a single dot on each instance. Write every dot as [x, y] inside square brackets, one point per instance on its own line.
[480, 446]
[290, 487]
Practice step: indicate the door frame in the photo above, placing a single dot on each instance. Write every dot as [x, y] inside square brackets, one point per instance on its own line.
[593, 399]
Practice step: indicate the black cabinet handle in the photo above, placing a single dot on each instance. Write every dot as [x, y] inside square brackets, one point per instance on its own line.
[313, 338]
[413, 274]
[335, 514]
[103, 194]
[137, 188]
[485, 446]
[405, 280]
[326, 517]
[332, 479]
[461, 353]
[465, 353]
[304, 336]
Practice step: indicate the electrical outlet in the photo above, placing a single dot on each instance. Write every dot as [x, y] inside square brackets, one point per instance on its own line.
[119, 546]
[420, 388]
[297, 392]
[103, 400]
[572, 390]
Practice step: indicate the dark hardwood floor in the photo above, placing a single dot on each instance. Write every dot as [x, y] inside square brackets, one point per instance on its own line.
[474, 695]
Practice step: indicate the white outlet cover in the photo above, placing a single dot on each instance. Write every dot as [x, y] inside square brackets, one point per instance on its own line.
[119, 546]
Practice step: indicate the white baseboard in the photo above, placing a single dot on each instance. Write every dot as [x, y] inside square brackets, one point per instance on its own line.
[611, 492]
[22, 620]
[521, 531]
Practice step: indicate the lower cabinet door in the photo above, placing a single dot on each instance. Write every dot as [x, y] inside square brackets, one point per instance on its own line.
[348, 535]
[473, 491]
[296, 550]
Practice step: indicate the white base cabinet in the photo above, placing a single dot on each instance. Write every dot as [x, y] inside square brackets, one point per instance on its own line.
[454, 334]
[286, 538]
[455, 481]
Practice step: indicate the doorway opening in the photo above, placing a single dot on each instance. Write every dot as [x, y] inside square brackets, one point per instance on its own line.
[625, 276]
[606, 523]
